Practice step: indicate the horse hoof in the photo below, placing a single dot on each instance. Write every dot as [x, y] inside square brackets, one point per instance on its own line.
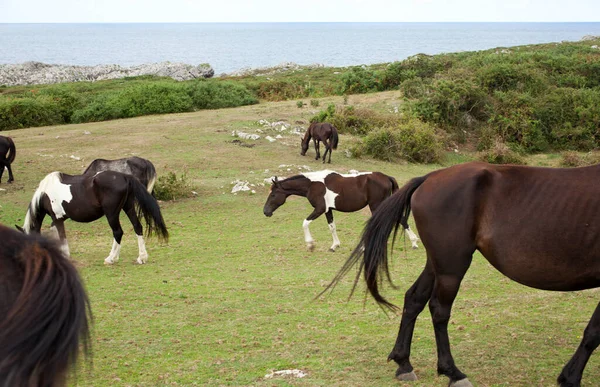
[415, 247]
[310, 247]
[331, 250]
[407, 377]
[461, 383]
[142, 261]
[108, 262]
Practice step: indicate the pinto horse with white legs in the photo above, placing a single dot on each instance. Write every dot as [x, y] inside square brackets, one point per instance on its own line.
[85, 198]
[537, 226]
[328, 191]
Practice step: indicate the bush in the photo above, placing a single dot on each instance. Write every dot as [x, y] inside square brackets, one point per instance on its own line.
[354, 120]
[314, 102]
[299, 104]
[169, 187]
[412, 140]
[500, 153]
[358, 80]
[216, 95]
[26, 112]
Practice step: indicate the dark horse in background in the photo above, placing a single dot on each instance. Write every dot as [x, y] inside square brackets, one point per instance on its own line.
[140, 168]
[87, 197]
[7, 156]
[538, 226]
[328, 191]
[44, 312]
[320, 131]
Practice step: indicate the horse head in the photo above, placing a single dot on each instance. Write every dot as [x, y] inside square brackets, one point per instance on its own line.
[304, 147]
[275, 199]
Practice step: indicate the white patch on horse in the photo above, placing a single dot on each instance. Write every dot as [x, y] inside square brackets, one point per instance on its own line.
[307, 237]
[413, 238]
[354, 173]
[56, 191]
[319, 177]
[336, 240]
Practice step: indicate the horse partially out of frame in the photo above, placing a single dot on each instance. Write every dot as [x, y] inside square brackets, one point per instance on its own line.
[138, 167]
[44, 312]
[85, 198]
[8, 152]
[537, 226]
[320, 131]
[327, 191]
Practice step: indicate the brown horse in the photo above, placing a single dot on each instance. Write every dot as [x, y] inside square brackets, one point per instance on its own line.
[140, 168]
[328, 191]
[85, 198]
[44, 312]
[537, 226]
[7, 156]
[320, 131]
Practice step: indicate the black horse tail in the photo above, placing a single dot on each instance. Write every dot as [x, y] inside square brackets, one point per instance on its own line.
[12, 150]
[148, 208]
[334, 137]
[50, 318]
[373, 246]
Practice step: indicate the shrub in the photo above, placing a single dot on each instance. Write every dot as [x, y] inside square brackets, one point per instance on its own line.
[411, 140]
[300, 104]
[500, 153]
[358, 80]
[571, 159]
[207, 94]
[170, 187]
[354, 120]
[26, 112]
[314, 102]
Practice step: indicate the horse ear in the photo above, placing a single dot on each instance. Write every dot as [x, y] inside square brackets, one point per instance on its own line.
[20, 229]
[275, 180]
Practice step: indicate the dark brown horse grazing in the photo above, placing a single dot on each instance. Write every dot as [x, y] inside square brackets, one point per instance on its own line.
[85, 198]
[320, 131]
[537, 226]
[328, 191]
[140, 168]
[44, 312]
[7, 156]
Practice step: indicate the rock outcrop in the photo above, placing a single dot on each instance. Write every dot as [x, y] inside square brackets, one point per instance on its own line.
[35, 73]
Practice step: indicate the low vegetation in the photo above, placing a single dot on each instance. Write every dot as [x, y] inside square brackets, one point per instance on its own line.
[532, 98]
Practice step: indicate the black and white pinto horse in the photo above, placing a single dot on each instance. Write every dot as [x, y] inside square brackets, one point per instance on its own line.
[327, 191]
[85, 198]
[140, 168]
[7, 156]
[44, 312]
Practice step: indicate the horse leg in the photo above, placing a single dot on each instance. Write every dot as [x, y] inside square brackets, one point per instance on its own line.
[137, 227]
[310, 243]
[571, 373]
[317, 148]
[336, 241]
[2, 165]
[59, 226]
[327, 149]
[415, 300]
[413, 238]
[10, 174]
[115, 225]
[445, 289]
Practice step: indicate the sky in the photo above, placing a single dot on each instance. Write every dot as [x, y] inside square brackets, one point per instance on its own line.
[182, 11]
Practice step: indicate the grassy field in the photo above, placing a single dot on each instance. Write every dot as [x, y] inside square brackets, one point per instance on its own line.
[230, 298]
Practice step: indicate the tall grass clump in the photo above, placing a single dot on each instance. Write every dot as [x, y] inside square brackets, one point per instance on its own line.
[172, 187]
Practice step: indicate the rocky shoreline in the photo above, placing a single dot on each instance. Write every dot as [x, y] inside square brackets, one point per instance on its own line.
[37, 73]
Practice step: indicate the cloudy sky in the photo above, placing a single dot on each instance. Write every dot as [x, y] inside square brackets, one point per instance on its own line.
[107, 11]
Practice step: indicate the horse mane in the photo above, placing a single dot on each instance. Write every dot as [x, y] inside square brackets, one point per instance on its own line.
[45, 312]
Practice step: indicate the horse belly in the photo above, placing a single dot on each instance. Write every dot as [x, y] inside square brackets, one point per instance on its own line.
[83, 214]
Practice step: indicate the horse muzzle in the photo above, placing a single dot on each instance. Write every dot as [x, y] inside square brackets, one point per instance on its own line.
[268, 213]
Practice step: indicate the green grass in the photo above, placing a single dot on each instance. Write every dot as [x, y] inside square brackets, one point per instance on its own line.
[231, 296]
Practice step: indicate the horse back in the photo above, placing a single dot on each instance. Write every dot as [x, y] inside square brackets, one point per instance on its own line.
[518, 218]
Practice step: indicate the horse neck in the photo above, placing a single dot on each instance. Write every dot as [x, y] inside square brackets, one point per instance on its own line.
[296, 186]
[307, 135]
[34, 217]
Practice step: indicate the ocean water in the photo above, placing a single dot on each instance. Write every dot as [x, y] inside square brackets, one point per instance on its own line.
[232, 46]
